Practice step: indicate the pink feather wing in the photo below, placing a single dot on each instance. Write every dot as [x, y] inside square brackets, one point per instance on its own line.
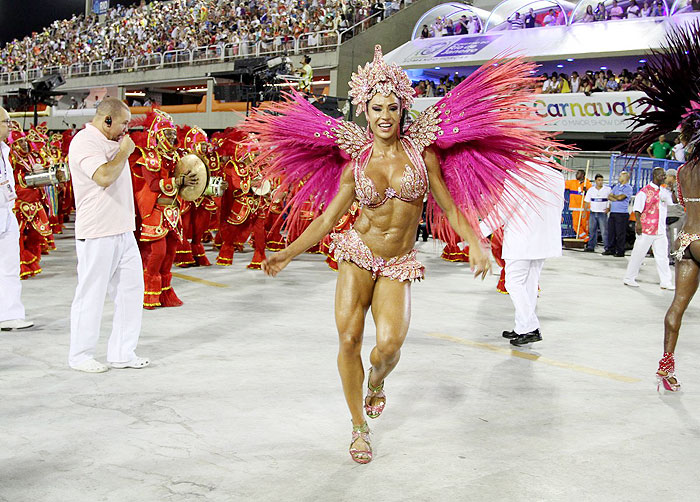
[484, 131]
[305, 149]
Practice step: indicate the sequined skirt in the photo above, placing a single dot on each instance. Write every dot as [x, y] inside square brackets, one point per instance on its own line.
[684, 240]
[349, 247]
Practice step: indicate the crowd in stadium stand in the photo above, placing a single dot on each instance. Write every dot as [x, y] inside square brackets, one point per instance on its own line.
[592, 81]
[158, 27]
[587, 83]
[445, 27]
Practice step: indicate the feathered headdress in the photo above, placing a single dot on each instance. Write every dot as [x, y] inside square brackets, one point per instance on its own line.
[380, 77]
[672, 91]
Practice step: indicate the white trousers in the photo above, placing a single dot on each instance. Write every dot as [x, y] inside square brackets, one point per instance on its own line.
[10, 286]
[659, 244]
[522, 283]
[107, 265]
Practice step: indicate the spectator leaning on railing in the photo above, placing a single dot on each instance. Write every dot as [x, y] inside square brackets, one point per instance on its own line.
[530, 19]
[616, 12]
[516, 23]
[589, 16]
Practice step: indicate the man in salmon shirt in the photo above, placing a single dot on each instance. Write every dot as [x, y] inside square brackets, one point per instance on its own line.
[650, 208]
[108, 257]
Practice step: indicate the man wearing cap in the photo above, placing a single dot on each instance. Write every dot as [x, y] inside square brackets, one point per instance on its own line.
[11, 308]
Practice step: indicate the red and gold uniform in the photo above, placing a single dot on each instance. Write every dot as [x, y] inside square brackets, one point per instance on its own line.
[68, 199]
[274, 240]
[240, 215]
[197, 215]
[306, 216]
[344, 224]
[496, 250]
[52, 153]
[452, 252]
[38, 139]
[34, 226]
[159, 209]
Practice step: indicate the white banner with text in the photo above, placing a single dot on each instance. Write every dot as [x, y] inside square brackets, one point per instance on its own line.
[599, 112]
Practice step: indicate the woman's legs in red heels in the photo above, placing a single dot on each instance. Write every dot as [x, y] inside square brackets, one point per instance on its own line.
[687, 275]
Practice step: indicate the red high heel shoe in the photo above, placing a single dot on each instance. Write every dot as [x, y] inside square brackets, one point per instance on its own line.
[666, 374]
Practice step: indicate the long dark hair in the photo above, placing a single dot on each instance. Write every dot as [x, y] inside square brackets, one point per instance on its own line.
[672, 84]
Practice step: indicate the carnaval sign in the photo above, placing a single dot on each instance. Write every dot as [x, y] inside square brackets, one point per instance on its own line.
[599, 112]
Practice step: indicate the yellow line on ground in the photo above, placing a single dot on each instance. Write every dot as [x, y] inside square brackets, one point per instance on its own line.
[535, 357]
[200, 281]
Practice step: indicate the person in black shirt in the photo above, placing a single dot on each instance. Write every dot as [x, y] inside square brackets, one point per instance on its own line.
[530, 19]
[462, 27]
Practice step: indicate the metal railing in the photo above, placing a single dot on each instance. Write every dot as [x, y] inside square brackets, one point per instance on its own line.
[306, 42]
[640, 168]
[360, 26]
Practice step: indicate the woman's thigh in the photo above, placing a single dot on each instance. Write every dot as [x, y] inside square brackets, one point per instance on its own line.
[391, 310]
[353, 295]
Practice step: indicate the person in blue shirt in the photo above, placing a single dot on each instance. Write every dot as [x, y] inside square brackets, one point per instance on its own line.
[620, 197]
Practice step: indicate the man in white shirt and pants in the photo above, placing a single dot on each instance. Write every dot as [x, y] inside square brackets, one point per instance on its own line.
[530, 235]
[597, 200]
[108, 257]
[11, 308]
[650, 209]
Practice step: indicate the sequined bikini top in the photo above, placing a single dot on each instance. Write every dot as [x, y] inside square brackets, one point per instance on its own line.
[414, 182]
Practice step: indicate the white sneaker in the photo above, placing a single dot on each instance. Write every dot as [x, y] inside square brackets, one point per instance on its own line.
[631, 283]
[136, 363]
[670, 287]
[15, 324]
[91, 366]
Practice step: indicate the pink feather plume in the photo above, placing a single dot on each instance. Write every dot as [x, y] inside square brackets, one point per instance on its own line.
[488, 131]
[296, 146]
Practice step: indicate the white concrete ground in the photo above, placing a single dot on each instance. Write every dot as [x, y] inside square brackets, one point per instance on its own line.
[243, 402]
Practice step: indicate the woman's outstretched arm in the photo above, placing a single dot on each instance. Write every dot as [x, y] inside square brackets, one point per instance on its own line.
[318, 228]
[479, 261]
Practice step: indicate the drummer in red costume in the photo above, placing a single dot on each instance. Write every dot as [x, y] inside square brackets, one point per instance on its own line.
[33, 221]
[38, 139]
[274, 240]
[196, 215]
[52, 153]
[240, 215]
[159, 207]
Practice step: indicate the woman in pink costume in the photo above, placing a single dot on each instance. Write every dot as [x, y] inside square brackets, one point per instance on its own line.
[674, 95]
[461, 151]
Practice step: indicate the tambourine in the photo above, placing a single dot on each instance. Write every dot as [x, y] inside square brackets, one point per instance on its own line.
[262, 189]
[192, 164]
